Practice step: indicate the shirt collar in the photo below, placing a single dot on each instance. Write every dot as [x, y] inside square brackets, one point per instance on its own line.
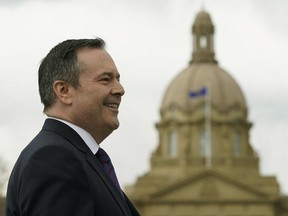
[88, 139]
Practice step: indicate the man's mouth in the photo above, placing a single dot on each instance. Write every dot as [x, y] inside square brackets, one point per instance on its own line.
[111, 105]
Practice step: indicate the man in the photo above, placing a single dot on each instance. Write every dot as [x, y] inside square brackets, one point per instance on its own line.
[58, 172]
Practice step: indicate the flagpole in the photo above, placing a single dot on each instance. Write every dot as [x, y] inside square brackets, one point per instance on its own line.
[208, 144]
[207, 122]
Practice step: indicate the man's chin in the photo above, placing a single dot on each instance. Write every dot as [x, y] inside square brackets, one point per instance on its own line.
[115, 125]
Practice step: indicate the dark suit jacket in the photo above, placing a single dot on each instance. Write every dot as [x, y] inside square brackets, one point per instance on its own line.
[57, 174]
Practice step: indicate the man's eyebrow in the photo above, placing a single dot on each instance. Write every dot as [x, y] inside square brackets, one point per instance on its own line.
[110, 74]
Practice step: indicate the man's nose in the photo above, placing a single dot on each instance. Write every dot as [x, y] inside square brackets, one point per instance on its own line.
[118, 89]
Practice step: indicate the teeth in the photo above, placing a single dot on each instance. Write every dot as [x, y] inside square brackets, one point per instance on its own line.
[112, 105]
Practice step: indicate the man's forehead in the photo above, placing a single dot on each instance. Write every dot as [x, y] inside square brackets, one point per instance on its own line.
[94, 57]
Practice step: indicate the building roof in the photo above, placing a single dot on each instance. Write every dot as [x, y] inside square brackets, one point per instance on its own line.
[203, 19]
[223, 90]
[203, 72]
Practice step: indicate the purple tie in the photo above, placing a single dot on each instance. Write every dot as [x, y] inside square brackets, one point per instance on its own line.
[107, 165]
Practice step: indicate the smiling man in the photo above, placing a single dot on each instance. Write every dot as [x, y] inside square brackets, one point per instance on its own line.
[63, 171]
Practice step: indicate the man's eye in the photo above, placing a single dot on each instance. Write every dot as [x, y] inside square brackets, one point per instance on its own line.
[105, 79]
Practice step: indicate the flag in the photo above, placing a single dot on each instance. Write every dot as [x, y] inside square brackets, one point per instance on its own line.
[197, 93]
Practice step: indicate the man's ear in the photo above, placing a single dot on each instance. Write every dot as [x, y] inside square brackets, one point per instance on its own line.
[63, 92]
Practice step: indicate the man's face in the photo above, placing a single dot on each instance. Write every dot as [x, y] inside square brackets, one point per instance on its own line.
[96, 100]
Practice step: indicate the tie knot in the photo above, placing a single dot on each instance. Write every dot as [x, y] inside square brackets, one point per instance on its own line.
[102, 156]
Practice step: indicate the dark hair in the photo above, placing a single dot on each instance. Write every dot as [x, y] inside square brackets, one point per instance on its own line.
[61, 64]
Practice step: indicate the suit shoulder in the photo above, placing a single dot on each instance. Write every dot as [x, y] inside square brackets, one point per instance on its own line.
[48, 149]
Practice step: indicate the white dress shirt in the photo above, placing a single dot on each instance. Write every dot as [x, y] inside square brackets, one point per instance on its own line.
[88, 139]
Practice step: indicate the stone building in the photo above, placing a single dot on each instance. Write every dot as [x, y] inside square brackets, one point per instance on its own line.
[204, 164]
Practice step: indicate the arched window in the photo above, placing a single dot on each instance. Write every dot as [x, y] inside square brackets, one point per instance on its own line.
[172, 144]
[203, 41]
[202, 143]
[237, 144]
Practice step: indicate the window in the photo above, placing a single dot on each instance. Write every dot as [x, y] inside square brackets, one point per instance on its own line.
[172, 144]
[203, 41]
[202, 142]
[237, 144]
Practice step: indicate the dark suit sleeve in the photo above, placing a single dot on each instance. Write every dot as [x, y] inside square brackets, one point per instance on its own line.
[54, 182]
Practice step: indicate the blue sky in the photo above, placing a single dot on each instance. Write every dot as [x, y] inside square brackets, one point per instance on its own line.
[151, 43]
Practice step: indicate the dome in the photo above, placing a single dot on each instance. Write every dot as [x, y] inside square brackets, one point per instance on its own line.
[204, 72]
[203, 19]
[223, 90]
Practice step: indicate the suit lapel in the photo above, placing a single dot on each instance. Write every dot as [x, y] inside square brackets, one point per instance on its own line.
[67, 132]
[108, 182]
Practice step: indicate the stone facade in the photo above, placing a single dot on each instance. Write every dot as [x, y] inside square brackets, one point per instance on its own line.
[2, 206]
